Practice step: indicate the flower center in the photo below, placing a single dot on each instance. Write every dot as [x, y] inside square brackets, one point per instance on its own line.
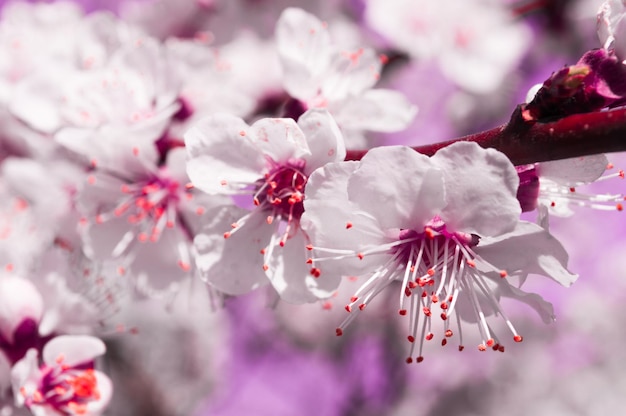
[282, 190]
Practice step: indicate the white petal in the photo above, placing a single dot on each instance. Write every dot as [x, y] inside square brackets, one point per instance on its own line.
[376, 110]
[398, 186]
[324, 139]
[235, 265]
[304, 48]
[222, 154]
[575, 171]
[528, 249]
[481, 188]
[105, 389]
[73, 349]
[543, 308]
[280, 138]
[351, 72]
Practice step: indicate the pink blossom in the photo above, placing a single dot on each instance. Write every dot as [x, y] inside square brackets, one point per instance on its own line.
[446, 227]
[269, 161]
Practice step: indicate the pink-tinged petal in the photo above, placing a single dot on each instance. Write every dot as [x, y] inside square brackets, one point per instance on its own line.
[234, 265]
[527, 249]
[398, 186]
[5, 372]
[279, 138]
[108, 240]
[25, 374]
[543, 308]
[304, 48]
[19, 301]
[73, 350]
[351, 72]
[288, 271]
[223, 156]
[105, 390]
[481, 187]
[575, 171]
[338, 228]
[324, 139]
[376, 110]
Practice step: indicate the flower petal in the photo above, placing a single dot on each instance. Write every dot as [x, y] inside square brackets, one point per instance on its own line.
[527, 249]
[398, 186]
[351, 72]
[575, 171]
[481, 187]
[543, 308]
[75, 350]
[19, 301]
[234, 265]
[280, 138]
[324, 139]
[222, 155]
[377, 110]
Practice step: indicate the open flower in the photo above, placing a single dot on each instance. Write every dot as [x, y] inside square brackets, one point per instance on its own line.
[270, 161]
[446, 227]
[66, 383]
[322, 75]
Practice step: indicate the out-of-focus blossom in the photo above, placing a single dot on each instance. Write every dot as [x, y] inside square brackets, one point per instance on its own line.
[476, 43]
[447, 227]
[321, 74]
[269, 161]
[66, 382]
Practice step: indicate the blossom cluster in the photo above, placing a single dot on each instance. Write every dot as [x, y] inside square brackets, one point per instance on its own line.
[152, 167]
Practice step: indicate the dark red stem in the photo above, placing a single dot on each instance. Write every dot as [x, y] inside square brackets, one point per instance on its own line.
[530, 142]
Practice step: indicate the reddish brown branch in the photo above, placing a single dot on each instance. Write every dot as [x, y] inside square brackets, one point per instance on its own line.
[524, 142]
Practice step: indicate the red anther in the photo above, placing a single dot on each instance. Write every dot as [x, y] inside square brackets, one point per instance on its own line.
[327, 306]
[409, 360]
[309, 247]
[411, 338]
[610, 166]
[501, 348]
[266, 267]
[461, 347]
[431, 272]
[234, 225]
[269, 219]
[402, 312]
[518, 338]
[262, 251]
[429, 232]
[315, 272]
[277, 201]
[91, 179]
[429, 336]
[434, 298]
[362, 306]
[384, 59]
[424, 294]
[482, 347]
[282, 243]
[227, 234]
[339, 332]
[450, 298]
[444, 342]
[412, 285]
[619, 207]
[572, 189]
[360, 256]
[621, 173]
[471, 263]
[309, 261]
[94, 163]
[135, 151]
[354, 299]
[142, 237]
[242, 133]
[444, 316]
[121, 271]
[273, 184]
[444, 306]
[503, 274]
[169, 224]
[426, 310]
[223, 182]
[495, 347]
[256, 201]
[412, 269]
[449, 333]
[348, 308]
[419, 359]
[348, 225]
[184, 265]
[490, 342]
[407, 291]
[189, 185]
